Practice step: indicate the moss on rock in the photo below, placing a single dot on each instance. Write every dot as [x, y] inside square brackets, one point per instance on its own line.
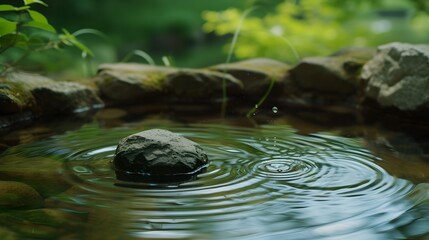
[53, 97]
[137, 83]
[202, 85]
[14, 98]
[131, 82]
[257, 75]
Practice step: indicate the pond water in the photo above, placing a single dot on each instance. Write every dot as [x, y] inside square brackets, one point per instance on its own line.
[279, 177]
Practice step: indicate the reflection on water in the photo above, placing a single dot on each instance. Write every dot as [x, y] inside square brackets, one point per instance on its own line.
[266, 182]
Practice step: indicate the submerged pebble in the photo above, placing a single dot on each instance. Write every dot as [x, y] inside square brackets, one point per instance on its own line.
[18, 195]
[158, 155]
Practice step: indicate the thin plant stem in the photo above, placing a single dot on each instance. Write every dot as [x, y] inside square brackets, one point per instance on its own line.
[228, 59]
[141, 54]
[49, 45]
[92, 32]
[292, 48]
[270, 87]
[262, 100]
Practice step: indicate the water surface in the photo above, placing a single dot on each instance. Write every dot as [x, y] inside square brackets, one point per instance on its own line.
[269, 181]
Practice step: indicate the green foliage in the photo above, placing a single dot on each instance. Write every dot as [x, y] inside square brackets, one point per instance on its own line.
[295, 28]
[15, 21]
[27, 29]
[70, 40]
[140, 54]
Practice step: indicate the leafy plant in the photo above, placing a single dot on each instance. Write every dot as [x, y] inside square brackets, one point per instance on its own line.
[291, 29]
[27, 29]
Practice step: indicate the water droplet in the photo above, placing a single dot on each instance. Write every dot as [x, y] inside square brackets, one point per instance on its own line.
[277, 167]
[256, 106]
[275, 109]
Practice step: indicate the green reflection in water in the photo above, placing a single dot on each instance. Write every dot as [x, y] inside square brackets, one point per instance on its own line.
[262, 183]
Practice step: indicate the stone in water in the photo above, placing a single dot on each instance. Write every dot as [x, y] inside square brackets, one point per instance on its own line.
[158, 155]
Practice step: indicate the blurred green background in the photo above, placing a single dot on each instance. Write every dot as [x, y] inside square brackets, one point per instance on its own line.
[198, 33]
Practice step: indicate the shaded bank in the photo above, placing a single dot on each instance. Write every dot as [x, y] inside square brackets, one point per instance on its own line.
[350, 78]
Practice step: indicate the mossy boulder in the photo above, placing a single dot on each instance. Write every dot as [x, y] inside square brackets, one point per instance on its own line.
[201, 85]
[25, 96]
[16, 195]
[14, 99]
[257, 75]
[131, 82]
[54, 97]
[140, 83]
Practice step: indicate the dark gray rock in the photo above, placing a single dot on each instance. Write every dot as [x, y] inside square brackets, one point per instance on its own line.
[65, 97]
[398, 76]
[158, 153]
[53, 97]
[322, 74]
[257, 75]
[201, 85]
[337, 74]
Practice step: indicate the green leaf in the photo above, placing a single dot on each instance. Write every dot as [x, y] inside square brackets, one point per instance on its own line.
[82, 47]
[23, 8]
[5, 7]
[6, 27]
[7, 40]
[38, 17]
[40, 25]
[28, 2]
[91, 31]
[39, 21]
[10, 40]
[36, 42]
[69, 39]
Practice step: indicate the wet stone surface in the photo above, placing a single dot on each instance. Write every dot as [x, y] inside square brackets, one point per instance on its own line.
[398, 76]
[140, 83]
[53, 97]
[257, 75]
[158, 155]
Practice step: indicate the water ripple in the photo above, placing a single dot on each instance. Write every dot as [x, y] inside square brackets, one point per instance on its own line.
[262, 183]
